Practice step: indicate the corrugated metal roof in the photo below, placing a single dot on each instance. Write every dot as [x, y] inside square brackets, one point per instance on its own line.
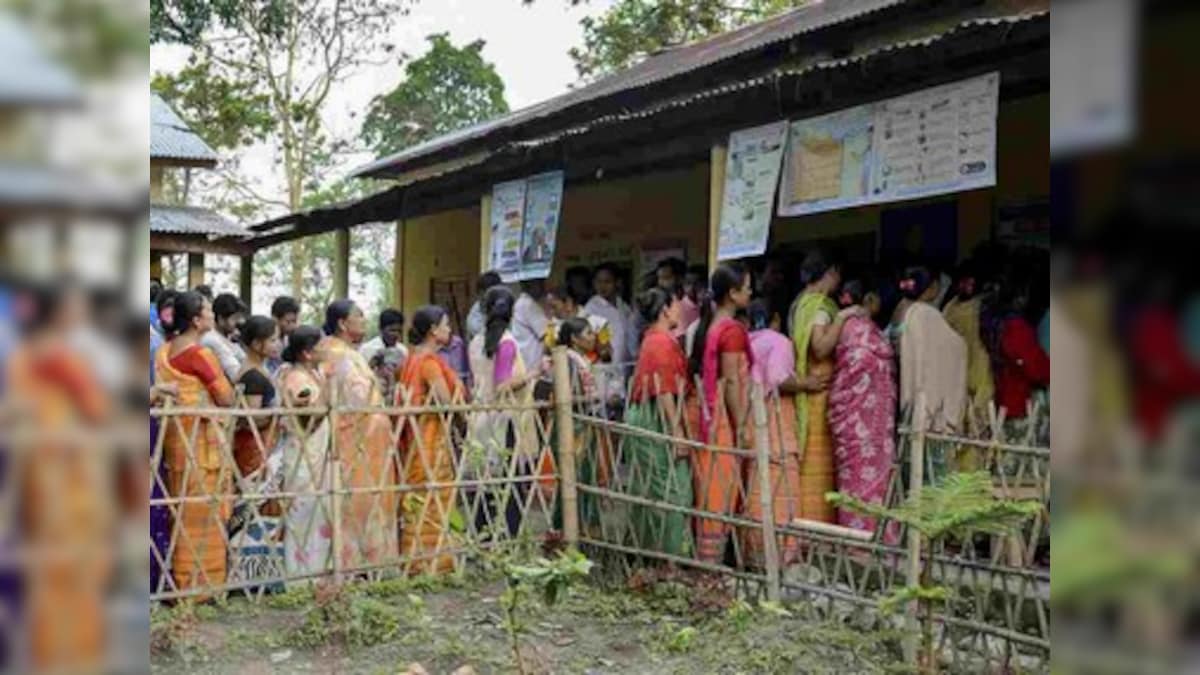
[30, 186]
[192, 220]
[654, 69]
[170, 138]
[27, 76]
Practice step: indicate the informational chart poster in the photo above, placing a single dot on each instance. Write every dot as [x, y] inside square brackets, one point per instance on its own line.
[543, 204]
[508, 218]
[827, 162]
[524, 222]
[934, 141]
[751, 174]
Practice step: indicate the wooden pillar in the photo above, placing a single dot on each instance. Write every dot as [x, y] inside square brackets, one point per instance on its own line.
[195, 269]
[565, 428]
[246, 282]
[398, 265]
[341, 264]
[156, 264]
[716, 197]
[485, 233]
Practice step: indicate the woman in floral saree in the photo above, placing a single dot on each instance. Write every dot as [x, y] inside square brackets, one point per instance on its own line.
[722, 358]
[658, 470]
[862, 410]
[196, 465]
[427, 453]
[364, 443]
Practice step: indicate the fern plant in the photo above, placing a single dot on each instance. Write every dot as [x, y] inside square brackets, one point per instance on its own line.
[962, 504]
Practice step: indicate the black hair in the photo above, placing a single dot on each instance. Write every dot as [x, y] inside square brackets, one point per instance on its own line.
[677, 266]
[487, 280]
[335, 312]
[423, 321]
[155, 289]
[816, 263]
[284, 305]
[609, 267]
[570, 328]
[390, 317]
[257, 327]
[188, 306]
[915, 281]
[226, 305]
[497, 308]
[853, 290]
[760, 313]
[578, 272]
[303, 339]
[651, 303]
[726, 278]
[535, 288]
[205, 290]
[166, 298]
[698, 270]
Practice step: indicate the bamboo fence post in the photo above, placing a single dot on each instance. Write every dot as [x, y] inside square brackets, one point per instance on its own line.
[762, 448]
[566, 446]
[916, 477]
[335, 486]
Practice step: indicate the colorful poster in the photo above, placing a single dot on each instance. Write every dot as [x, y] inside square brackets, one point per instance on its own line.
[751, 174]
[508, 218]
[827, 162]
[543, 204]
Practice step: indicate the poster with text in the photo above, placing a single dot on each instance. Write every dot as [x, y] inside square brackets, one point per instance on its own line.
[543, 206]
[751, 174]
[936, 140]
[828, 162]
[508, 218]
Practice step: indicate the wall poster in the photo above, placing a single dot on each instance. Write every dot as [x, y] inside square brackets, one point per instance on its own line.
[751, 174]
[524, 222]
[508, 215]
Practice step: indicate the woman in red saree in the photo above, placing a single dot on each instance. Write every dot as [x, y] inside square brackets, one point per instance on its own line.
[427, 455]
[197, 465]
[862, 410]
[722, 358]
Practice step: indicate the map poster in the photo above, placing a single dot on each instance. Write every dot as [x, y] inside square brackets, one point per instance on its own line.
[508, 218]
[828, 162]
[751, 174]
[543, 205]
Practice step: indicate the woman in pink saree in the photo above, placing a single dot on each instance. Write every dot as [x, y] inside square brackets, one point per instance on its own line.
[862, 409]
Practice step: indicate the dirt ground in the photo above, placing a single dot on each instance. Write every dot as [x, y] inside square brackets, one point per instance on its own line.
[666, 626]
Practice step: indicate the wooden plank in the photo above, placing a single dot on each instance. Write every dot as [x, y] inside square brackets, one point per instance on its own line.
[195, 269]
[341, 263]
[716, 196]
[246, 281]
[485, 232]
[184, 243]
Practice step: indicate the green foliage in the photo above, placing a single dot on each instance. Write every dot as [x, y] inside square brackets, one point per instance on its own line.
[549, 578]
[345, 615]
[681, 640]
[962, 504]
[295, 597]
[633, 29]
[226, 113]
[97, 38]
[902, 596]
[447, 88]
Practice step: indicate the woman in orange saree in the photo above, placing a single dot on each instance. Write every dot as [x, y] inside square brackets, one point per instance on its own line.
[198, 466]
[427, 455]
[66, 501]
[722, 357]
[363, 443]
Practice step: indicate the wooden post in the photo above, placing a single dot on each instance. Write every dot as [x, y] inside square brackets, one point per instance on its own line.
[341, 263]
[716, 197]
[246, 282]
[195, 263]
[916, 478]
[566, 445]
[335, 487]
[398, 265]
[762, 451]
[485, 233]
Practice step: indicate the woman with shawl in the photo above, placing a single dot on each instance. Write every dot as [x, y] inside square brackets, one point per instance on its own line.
[816, 327]
[303, 450]
[426, 450]
[364, 443]
[933, 357]
[508, 439]
[964, 314]
[722, 358]
[591, 445]
[862, 409]
[658, 470]
[196, 464]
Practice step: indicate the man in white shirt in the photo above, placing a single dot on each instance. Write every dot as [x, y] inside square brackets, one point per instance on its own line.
[529, 323]
[386, 353]
[222, 340]
[607, 304]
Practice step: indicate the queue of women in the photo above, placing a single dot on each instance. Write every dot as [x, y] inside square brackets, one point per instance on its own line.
[835, 378]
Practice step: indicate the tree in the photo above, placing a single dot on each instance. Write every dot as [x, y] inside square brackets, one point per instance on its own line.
[446, 89]
[633, 29]
[263, 70]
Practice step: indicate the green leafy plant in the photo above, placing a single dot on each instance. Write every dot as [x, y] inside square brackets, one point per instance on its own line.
[548, 578]
[963, 504]
[346, 615]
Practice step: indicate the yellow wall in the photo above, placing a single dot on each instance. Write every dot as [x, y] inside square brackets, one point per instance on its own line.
[437, 246]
